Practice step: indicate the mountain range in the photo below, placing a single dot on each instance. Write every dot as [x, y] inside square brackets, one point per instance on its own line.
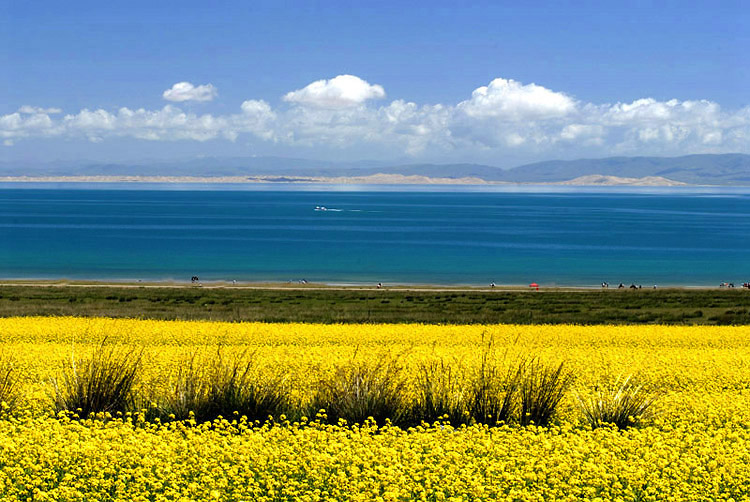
[702, 169]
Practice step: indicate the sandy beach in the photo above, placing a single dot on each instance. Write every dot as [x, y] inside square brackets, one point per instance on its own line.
[321, 286]
[374, 179]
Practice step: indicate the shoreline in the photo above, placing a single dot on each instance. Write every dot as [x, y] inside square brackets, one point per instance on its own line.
[334, 286]
[594, 180]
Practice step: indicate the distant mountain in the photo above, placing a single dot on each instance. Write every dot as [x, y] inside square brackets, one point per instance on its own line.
[487, 173]
[705, 169]
[708, 169]
[203, 166]
[254, 166]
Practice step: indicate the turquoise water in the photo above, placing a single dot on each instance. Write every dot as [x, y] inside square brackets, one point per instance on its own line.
[474, 235]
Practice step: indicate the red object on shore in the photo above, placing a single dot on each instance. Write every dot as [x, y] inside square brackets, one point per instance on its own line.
[534, 285]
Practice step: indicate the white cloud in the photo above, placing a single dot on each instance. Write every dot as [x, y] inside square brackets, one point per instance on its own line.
[165, 124]
[339, 92]
[649, 111]
[23, 125]
[185, 91]
[168, 123]
[670, 127]
[572, 132]
[36, 110]
[510, 100]
[256, 118]
[503, 118]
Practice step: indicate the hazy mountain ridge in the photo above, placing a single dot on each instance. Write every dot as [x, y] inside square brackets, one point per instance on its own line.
[705, 169]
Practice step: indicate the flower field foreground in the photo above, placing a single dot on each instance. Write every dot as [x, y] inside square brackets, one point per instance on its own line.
[695, 447]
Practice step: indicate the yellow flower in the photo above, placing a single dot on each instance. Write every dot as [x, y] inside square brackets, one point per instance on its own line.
[697, 447]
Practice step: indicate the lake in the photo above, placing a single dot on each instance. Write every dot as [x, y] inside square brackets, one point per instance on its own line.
[577, 236]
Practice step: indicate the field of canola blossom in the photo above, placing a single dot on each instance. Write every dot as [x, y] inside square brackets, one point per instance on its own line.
[696, 447]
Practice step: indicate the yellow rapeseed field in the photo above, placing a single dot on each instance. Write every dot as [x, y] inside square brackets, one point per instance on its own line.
[696, 447]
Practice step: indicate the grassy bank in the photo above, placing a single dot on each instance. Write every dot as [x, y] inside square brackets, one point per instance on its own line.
[664, 306]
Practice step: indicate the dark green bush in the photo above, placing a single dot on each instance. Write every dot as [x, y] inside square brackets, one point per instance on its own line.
[493, 392]
[215, 387]
[10, 388]
[361, 390]
[103, 383]
[624, 404]
[439, 395]
[541, 388]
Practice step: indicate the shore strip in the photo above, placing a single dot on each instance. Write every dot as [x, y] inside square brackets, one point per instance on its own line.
[319, 286]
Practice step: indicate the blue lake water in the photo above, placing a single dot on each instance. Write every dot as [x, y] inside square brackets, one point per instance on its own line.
[470, 235]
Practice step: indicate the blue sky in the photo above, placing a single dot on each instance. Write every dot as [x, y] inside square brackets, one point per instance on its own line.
[86, 80]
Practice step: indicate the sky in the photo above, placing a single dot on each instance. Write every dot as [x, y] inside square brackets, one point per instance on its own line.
[500, 83]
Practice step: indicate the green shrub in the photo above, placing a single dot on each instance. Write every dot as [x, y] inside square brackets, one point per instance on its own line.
[103, 383]
[10, 388]
[623, 404]
[188, 392]
[542, 388]
[439, 395]
[361, 390]
[493, 391]
[219, 387]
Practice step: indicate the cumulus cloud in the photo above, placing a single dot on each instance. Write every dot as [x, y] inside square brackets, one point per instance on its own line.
[339, 92]
[24, 125]
[165, 124]
[503, 117]
[511, 100]
[573, 132]
[171, 123]
[185, 91]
